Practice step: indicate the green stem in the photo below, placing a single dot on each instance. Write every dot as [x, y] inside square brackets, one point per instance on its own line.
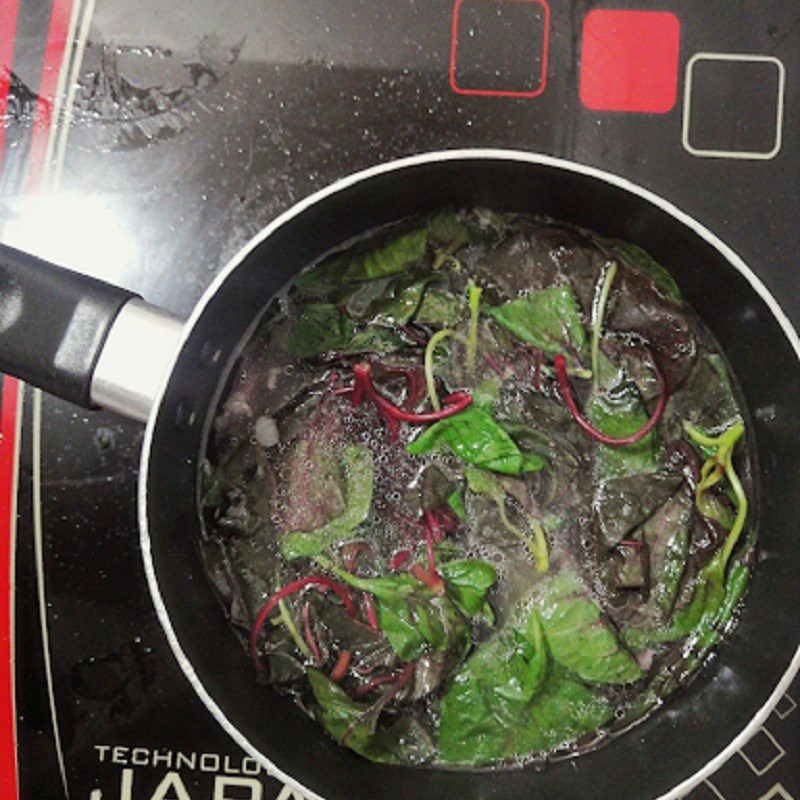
[286, 618]
[474, 314]
[429, 379]
[540, 552]
[741, 511]
[537, 545]
[600, 312]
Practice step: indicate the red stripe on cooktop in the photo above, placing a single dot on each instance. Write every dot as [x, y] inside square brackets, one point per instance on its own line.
[42, 123]
[8, 429]
[51, 67]
[8, 27]
[8, 466]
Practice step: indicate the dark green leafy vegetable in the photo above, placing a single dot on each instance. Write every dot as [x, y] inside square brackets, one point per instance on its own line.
[318, 328]
[483, 482]
[666, 534]
[623, 503]
[411, 615]
[619, 413]
[314, 485]
[508, 703]
[467, 581]
[439, 308]
[547, 319]
[708, 603]
[643, 261]
[577, 636]
[358, 478]
[474, 436]
[414, 407]
[356, 725]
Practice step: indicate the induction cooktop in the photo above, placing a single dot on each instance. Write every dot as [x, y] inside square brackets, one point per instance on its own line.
[146, 142]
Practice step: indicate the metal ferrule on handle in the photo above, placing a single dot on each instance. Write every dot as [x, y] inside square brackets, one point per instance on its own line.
[82, 339]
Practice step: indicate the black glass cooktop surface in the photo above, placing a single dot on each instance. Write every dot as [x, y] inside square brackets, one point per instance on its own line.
[147, 142]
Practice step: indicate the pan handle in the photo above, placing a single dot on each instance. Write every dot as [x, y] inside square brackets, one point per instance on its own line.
[79, 338]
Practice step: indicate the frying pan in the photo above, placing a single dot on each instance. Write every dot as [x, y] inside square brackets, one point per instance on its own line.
[97, 345]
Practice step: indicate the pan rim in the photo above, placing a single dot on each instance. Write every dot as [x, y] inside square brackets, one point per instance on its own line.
[459, 154]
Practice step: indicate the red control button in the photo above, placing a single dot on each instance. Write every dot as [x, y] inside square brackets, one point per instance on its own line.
[629, 61]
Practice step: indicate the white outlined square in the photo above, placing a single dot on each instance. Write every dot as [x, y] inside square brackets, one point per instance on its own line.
[777, 791]
[714, 789]
[687, 105]
[786, 705]
[762, 770]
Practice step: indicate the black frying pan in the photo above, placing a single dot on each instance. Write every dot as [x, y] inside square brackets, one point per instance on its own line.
[66, 333]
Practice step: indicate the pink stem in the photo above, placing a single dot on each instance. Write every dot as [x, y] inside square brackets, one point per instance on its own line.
[312, 643]
[369, 608]
[340, 670]
[317, 581]
[400, 558]
[379, 680]
[560, 363]
[431, 580]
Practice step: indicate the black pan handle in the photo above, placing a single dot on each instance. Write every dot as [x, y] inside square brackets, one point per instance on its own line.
[53, 324]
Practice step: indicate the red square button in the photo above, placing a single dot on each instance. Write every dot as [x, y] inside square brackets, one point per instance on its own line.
[630, 61]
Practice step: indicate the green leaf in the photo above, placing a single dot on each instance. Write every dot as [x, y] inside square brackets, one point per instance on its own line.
[484, 713]
[482, 482]
[343, 271]
[359, 477]
[621, 504]
[474, 436]
[343, 717]
[577, 636]
[439, 308]
[644, 262]
[374, 339]
[411, 616]
[619, 413]
[531, 462]
[212, 488]
[546, 318]
[447, 231]
[456, 501]
[467, 581]
[506, 702]
[666, 534]
[387, 301]
[712, 605]
[395, 256]
[318, 328]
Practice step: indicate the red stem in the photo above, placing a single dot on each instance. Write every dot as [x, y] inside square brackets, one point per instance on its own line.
[358, 548]
[400, 558]
[433, 524]
[431, 580]
[492, 362]
[369, 609]
[631, 543]
[340, 670]
[364, 387]
[379, 680]
[447, 519]
[312, 643]
[560, 363]
[407, 672]
[317, 581]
